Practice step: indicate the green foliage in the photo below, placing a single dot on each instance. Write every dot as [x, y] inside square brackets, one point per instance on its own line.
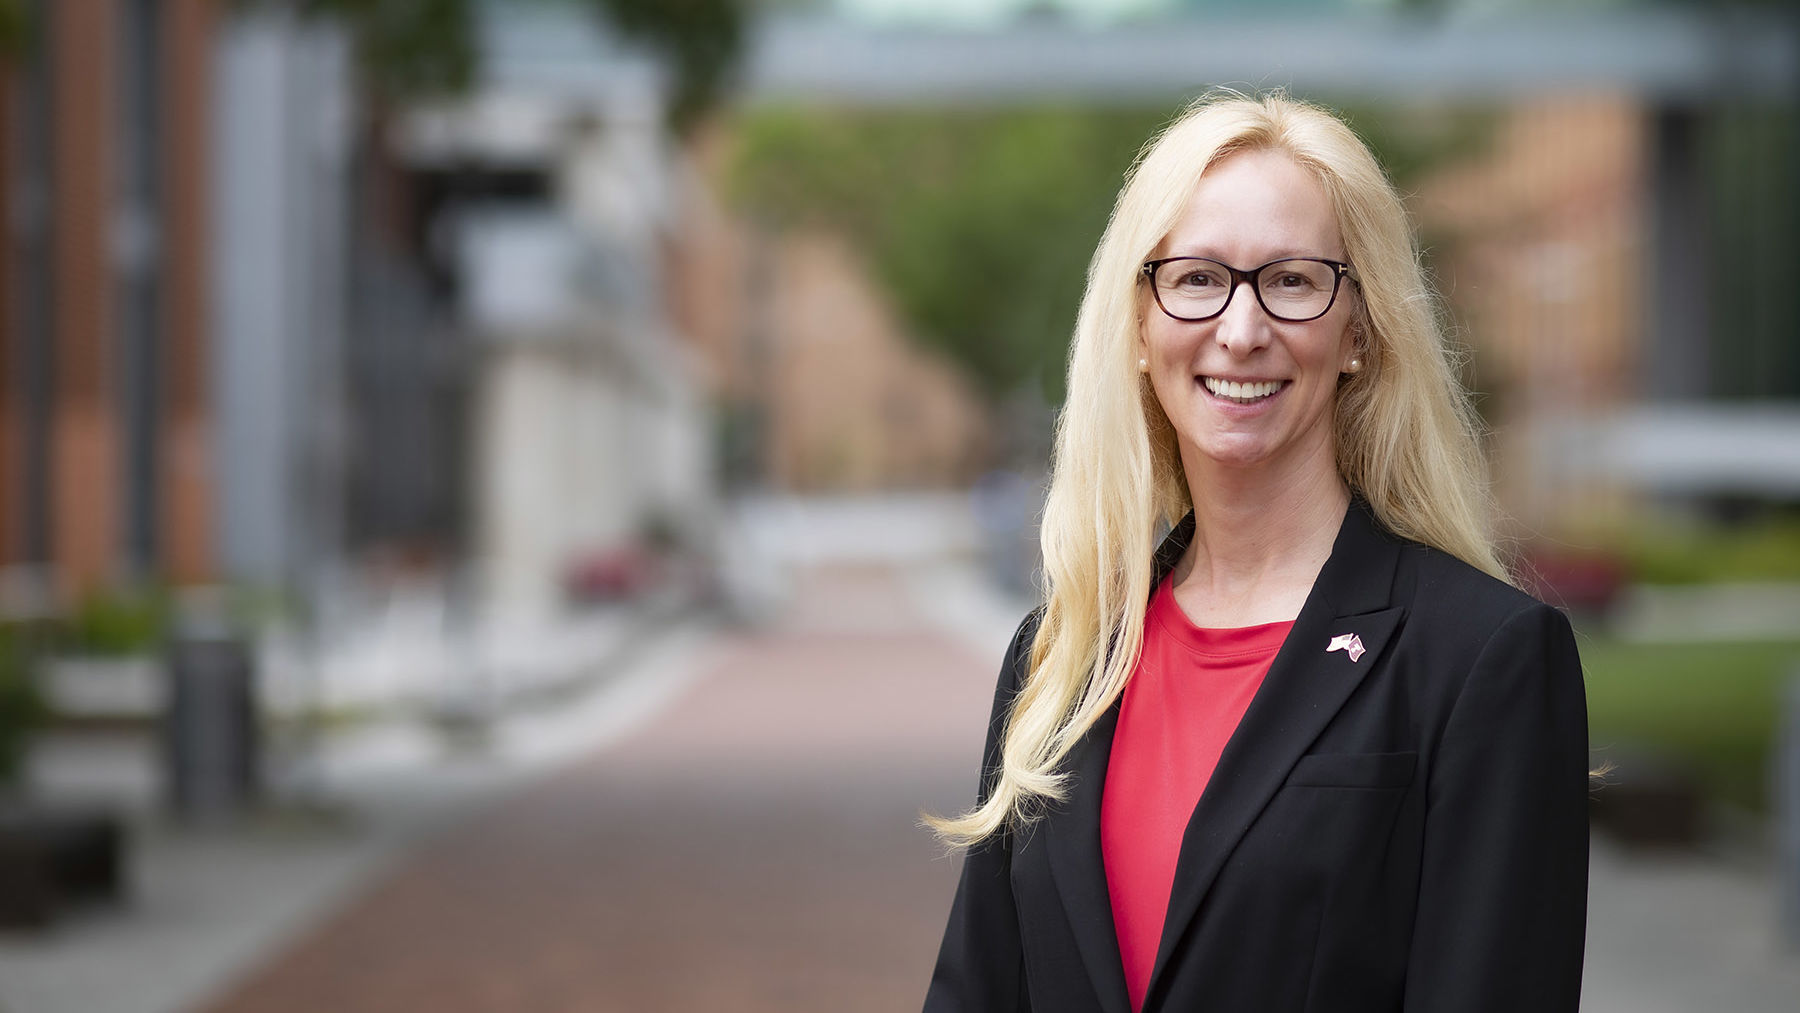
[21, 707]
[1411, 141]
[15, 27]
[408, 48]
[1713, 705]
[701, 39]
[980, 223]
[118, 623]
[1670, 552]
[422, 48]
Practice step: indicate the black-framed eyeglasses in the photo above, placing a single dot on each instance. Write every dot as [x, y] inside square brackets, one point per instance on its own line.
[1295, 290]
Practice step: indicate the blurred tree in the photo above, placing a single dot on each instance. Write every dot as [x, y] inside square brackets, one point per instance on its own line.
[22, 711]
[701, 39]
[407, 48]
[15, 27]
[981, 223]
[419, 48]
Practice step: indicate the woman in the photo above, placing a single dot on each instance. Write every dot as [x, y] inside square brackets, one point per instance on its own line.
[1313, 752]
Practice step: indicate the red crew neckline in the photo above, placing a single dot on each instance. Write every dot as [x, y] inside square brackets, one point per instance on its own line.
[1220, 642]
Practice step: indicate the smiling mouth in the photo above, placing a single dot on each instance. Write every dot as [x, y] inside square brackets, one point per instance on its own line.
[1242, 393]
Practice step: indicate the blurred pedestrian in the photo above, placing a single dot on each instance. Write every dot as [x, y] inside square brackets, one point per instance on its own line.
[1314, 752]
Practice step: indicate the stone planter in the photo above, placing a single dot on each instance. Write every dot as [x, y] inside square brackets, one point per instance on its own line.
[90, 690]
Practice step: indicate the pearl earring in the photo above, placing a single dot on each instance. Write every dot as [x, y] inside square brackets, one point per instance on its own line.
[1143, 365]
[1355, 365]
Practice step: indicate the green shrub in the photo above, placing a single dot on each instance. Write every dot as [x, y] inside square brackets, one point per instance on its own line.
[118, 623]
[1663, 551]
[1713, 705]
[21, 708]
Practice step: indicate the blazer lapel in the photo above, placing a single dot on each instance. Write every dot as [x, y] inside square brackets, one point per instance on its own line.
[1071, 832]
[1305, 687]
[1072, 842]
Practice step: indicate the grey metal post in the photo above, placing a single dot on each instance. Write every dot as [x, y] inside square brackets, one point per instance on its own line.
[211, 721]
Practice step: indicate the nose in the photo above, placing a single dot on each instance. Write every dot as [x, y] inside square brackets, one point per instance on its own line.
[1243, 327]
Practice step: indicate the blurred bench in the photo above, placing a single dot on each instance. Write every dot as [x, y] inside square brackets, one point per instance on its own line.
[1650, 799]
[54, 857]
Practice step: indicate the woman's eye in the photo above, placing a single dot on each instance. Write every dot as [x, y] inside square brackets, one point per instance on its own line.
[1197, 281]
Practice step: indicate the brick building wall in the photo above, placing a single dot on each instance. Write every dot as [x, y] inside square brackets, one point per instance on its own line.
[1538, 245]
[69, 372]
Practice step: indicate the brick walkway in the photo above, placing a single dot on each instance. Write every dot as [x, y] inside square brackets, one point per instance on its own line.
[752, 848]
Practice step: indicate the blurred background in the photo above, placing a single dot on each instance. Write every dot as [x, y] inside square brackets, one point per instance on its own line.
[518, 503]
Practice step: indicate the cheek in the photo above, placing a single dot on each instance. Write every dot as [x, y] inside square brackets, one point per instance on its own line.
[1167, 380]
[1335, 346]
[1163, 343]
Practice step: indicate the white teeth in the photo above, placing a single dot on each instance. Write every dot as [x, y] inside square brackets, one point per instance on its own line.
[1241, 391]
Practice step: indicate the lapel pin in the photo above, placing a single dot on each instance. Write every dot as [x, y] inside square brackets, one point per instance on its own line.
[1349, 643]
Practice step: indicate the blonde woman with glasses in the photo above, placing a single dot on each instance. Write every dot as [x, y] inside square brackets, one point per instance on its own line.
[1312, 751]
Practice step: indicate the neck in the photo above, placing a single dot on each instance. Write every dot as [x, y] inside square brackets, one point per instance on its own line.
[1260, 536]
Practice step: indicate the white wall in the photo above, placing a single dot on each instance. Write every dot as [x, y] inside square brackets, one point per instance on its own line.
[572, 459]
[279, 164]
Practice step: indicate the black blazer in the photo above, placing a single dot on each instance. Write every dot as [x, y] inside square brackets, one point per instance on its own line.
[1402, 831]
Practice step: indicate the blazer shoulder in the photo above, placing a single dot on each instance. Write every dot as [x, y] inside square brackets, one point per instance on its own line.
[1453, 594]
[1473, 640]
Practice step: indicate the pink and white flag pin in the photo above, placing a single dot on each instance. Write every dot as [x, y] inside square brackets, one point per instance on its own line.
[1349, 643]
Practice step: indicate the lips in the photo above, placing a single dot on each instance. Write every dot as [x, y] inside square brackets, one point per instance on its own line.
[1242, 392]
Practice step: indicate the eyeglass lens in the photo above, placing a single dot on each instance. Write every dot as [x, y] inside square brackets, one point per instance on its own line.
[1289, 289]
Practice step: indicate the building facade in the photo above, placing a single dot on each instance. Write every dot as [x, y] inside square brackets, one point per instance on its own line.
[104, 329]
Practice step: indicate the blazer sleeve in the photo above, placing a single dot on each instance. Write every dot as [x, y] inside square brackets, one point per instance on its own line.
[981, 965]
[1502, 909]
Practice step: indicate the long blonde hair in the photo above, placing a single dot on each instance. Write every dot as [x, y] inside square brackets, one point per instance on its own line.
[1406, 437]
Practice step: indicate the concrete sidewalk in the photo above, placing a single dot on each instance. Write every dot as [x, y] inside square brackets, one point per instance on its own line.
[754, 847]
[1668, 932]
[1685, 932]
[205, 904]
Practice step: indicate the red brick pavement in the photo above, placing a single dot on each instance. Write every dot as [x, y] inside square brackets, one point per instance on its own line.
[753, 848]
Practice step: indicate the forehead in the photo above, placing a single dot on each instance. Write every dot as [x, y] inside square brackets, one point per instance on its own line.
[1254, 206]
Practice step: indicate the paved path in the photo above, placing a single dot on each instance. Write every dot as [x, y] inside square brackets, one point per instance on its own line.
[1676, 932]
[752, 848]
[728, 827]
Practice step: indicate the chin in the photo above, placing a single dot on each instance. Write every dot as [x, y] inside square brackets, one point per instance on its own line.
[1234, 456]
[1239, 462]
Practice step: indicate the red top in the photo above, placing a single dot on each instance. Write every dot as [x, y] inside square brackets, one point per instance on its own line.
[1185, 698]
